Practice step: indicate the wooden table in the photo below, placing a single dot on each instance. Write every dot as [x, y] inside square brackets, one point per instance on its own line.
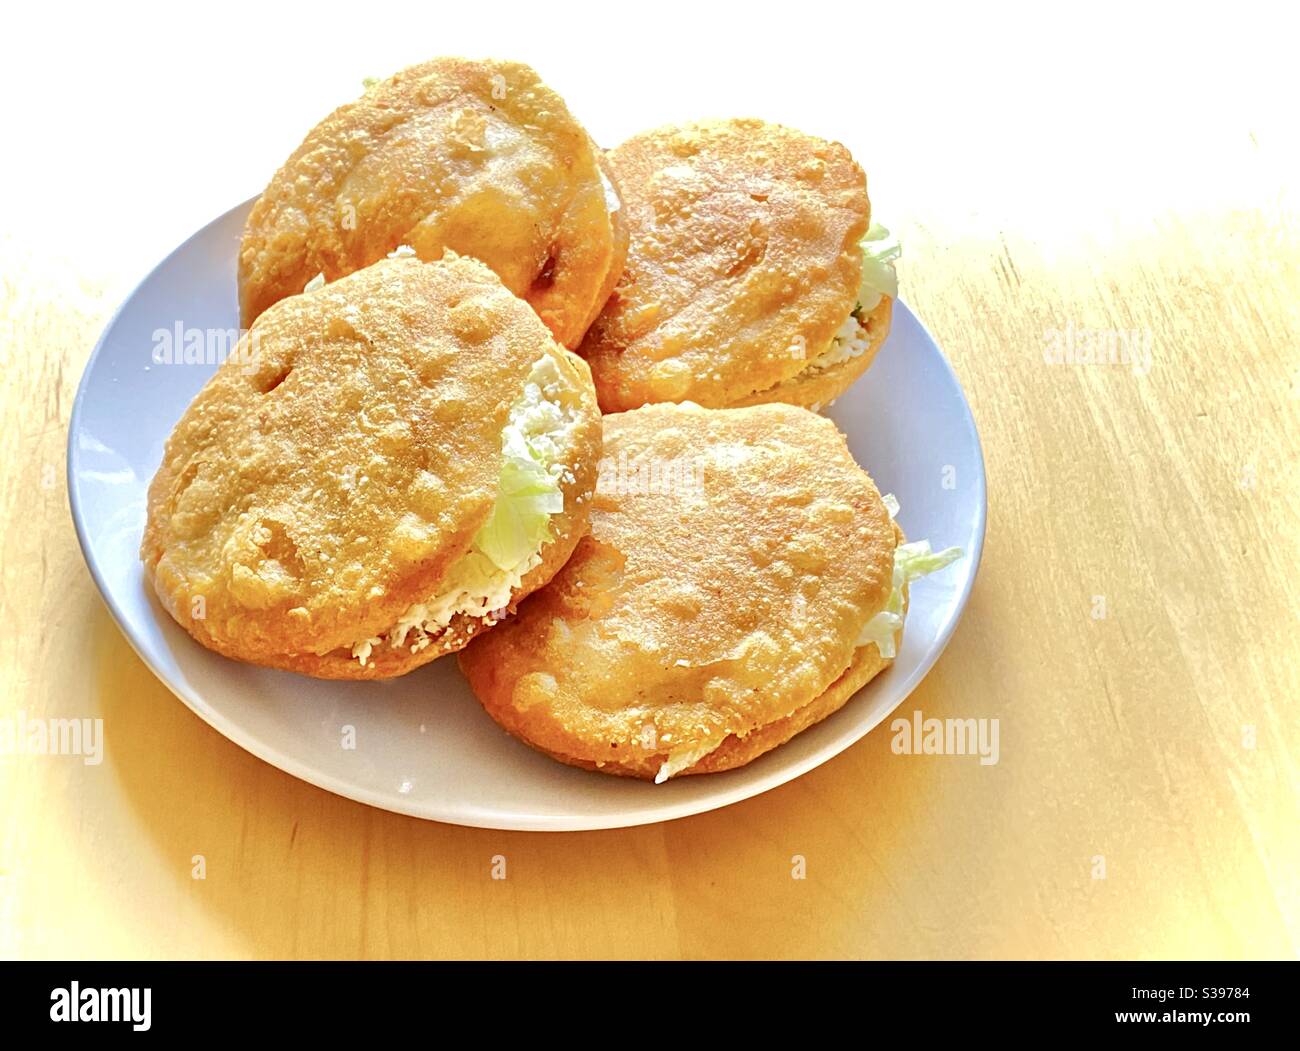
[1133, 627]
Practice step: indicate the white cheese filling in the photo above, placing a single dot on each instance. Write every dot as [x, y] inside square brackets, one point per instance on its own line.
[851, 341]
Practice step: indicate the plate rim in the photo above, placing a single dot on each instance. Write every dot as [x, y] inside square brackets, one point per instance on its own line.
[533, 823]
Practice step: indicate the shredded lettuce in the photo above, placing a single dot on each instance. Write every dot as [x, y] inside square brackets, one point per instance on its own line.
[880, 251]
[916, 560]
[911, 562]
[527, 496]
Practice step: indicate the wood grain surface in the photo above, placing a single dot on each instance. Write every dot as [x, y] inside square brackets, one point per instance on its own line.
[1070, 178]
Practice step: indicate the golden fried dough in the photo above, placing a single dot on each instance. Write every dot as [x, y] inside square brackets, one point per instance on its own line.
[816, 388]
[743, 263]
[737, 751]
[477, 157]
[715, 608]
[340, 466]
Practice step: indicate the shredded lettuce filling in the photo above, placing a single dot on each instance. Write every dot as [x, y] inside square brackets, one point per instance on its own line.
[911, 562]
[880, 252]
[509, 543]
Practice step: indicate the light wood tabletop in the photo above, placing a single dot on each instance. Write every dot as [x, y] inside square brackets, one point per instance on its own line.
[1064, 186]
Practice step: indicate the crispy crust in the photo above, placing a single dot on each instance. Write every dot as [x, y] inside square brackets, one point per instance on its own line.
[743, 262]
[685, 618]
[477, 157]
[819, 390]
[343, 458]
[569, 527]
[621, 233]
[738, 751]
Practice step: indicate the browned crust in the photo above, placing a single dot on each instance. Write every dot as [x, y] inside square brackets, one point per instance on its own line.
[817, 391]
[413, 161]
[387, 663]
[743, 262]
[621, 233]
[735, 752]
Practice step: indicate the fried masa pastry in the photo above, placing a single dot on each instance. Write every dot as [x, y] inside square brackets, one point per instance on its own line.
[753, 273]
[385, 466]
[474, 156]
[708, 620]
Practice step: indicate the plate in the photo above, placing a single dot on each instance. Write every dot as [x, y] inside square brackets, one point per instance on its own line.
[421, 744]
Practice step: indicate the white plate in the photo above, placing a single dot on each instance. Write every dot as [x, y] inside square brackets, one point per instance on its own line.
[423, 745]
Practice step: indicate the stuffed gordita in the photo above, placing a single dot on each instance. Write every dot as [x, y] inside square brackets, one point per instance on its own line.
[753, 274]
[741, 581]
[384, 468]
[477, 157]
